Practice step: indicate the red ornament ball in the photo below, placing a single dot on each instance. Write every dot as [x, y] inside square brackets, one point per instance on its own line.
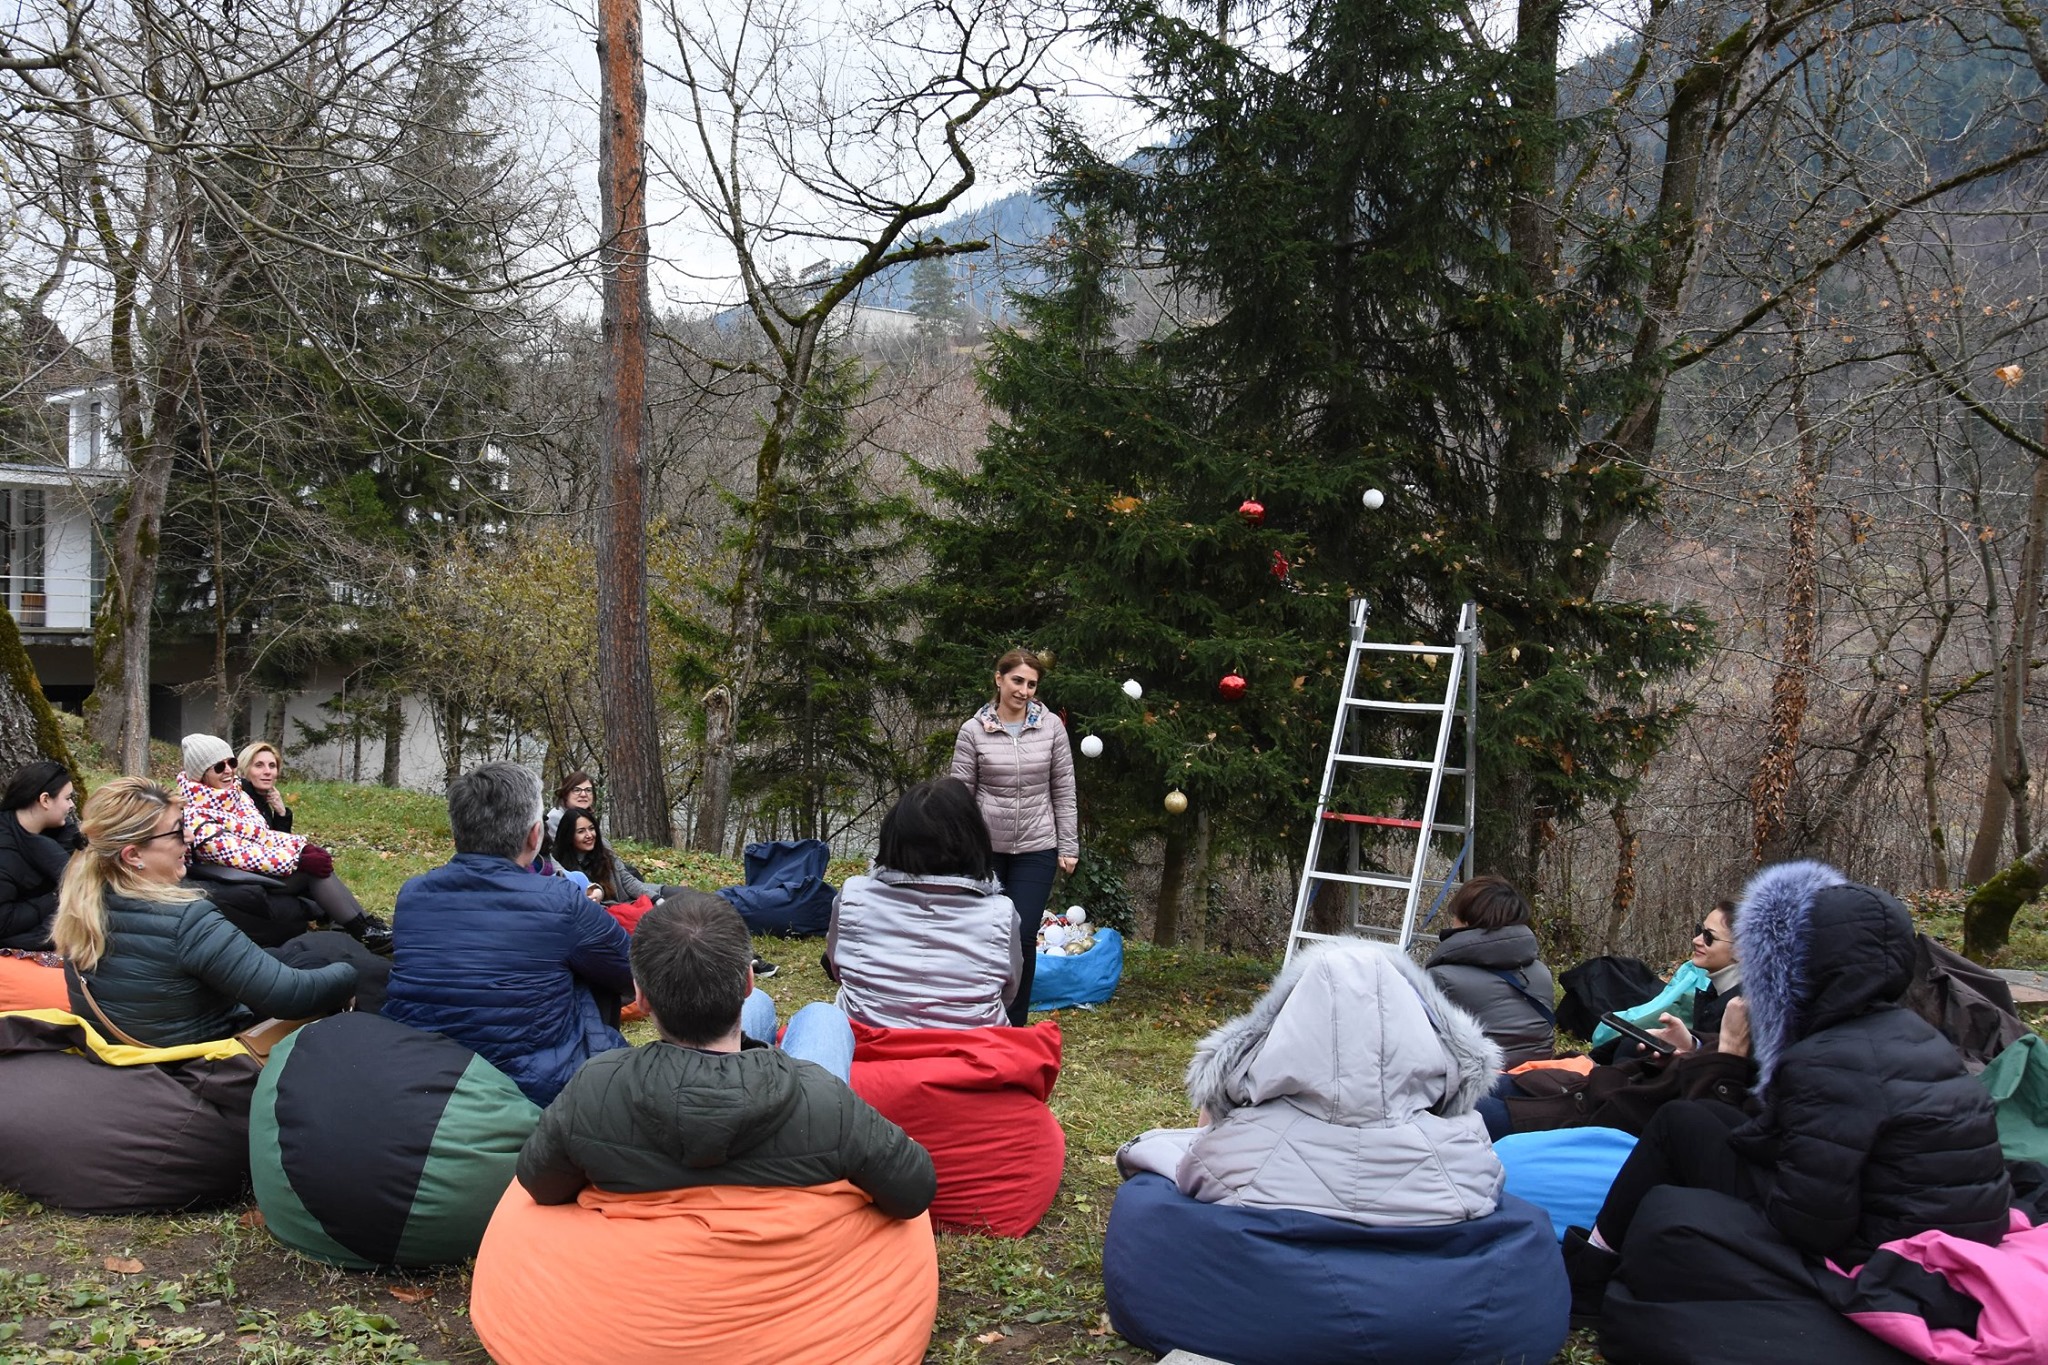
[1253, 511]
[1231, 688]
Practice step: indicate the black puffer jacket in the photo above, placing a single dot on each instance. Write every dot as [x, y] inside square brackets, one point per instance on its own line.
[1515, 1009]
[1870, 1129]
[179, 973]
[31, 865]
[664, 1117]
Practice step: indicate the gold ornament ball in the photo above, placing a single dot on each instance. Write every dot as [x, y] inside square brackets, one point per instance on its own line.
[1176, 803]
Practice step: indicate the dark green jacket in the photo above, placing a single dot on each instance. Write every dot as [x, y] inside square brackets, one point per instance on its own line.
[664, 1117]
[179, 973]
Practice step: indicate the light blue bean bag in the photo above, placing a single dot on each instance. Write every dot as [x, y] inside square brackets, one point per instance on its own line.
[1063, 982]
[1565, 1171]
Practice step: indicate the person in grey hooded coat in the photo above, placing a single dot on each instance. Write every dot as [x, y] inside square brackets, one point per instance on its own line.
[1348, 1091]
[1486, 962]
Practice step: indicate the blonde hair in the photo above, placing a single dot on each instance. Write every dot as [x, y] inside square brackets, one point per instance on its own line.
[249, 752]
[123, 812]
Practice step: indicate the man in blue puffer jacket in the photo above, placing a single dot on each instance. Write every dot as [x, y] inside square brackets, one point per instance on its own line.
[502, 961]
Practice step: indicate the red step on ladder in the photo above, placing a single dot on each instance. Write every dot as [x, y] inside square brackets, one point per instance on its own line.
[1382, 902]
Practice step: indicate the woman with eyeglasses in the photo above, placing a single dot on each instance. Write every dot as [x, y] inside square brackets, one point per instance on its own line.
[222, 825]
[577, 792]
[151, 961]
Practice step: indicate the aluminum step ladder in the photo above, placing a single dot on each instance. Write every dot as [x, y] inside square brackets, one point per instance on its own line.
[1442, 849]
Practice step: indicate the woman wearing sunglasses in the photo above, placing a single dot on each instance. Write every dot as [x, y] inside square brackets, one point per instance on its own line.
[1713, 952]
[222, 825]
[153, 961]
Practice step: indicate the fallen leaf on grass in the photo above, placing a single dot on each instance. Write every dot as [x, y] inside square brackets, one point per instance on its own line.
[123, 1265]
[405, 1293]
[1101, 1327]
[989, 1338]
[252, 1218]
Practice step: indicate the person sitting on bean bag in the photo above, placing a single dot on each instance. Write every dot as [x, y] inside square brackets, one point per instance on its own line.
[708, 1105]
[927, 939]
[1864, 1127]
[508, 964]
[37, 837]
[153, 964]
[1349, 1091]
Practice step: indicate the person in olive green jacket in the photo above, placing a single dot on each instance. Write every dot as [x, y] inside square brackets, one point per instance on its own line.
[708, 1106]
[161, 964]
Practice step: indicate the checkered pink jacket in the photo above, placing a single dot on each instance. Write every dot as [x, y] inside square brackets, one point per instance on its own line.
[223, 826]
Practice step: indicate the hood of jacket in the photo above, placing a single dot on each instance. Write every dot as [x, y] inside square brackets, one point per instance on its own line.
[1506, 949]
[973, 886]
[1816, 949]
[710, 1107]
[993, 723]
[1353, 1033]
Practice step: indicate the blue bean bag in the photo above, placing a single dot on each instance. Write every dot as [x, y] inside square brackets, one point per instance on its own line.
[1281, 1287]
[1564, 1172]
[1062, 982]
[786, 893]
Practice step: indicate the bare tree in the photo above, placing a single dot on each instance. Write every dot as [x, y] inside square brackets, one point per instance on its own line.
[840, 135]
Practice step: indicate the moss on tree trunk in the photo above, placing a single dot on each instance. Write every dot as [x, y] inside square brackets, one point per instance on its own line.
[28, 727]
[1988, 914]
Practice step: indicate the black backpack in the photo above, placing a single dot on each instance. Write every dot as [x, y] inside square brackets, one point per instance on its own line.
[1600, 985]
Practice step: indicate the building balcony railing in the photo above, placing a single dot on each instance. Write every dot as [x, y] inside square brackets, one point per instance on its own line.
[51, 601]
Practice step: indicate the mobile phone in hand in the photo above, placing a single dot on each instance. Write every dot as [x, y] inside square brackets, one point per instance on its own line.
[1638, 1033]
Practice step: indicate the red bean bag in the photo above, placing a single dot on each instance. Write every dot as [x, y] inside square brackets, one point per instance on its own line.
[727, 1273]
[26, 984]
[976, 1099]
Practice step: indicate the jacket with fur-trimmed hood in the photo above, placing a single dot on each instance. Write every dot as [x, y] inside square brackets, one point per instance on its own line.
[1348, 1091]
[1870, 1128]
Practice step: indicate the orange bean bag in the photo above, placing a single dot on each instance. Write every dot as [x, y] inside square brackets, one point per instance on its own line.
[975, 1098]
[1581, 1066]
[726, 1273]
[26, 984]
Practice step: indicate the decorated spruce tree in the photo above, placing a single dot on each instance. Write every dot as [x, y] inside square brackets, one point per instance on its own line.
[1327, 221]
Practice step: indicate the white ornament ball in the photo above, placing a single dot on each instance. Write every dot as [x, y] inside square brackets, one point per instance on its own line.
[1091, 746]
[1054, 936]
[1374, 499]
[1076, 915]
[1132, 690]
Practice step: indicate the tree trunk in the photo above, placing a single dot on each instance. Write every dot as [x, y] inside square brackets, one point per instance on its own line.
[1775, 769]
[1988, 914]
[28, 727]
[636, 794]
[2007, 778]
[1202, 857]
[452, 722]
[276, 717]
[394, 738]
[1628, 847]
[1173, 875]
[714, 792]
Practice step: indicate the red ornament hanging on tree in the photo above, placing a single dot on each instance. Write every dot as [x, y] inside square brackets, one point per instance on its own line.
[1253, 511]
[1231, 688]
[1280, 565]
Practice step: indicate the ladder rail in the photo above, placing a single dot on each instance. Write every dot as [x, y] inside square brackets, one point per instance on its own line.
[1460, 702]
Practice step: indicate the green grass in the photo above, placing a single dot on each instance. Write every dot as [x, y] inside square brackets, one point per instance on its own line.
[214, 1287]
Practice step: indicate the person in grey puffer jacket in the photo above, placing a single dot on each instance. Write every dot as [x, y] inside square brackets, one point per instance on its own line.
[1486, 963]
[1014, 756]
[1347, 1091]
[927, 939]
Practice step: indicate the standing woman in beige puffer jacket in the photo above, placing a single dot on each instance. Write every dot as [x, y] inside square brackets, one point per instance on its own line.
[1014, 756]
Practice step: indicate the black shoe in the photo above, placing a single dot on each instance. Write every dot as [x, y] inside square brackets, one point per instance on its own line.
[372, 932]
[763, 969]
[1588, 1268]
